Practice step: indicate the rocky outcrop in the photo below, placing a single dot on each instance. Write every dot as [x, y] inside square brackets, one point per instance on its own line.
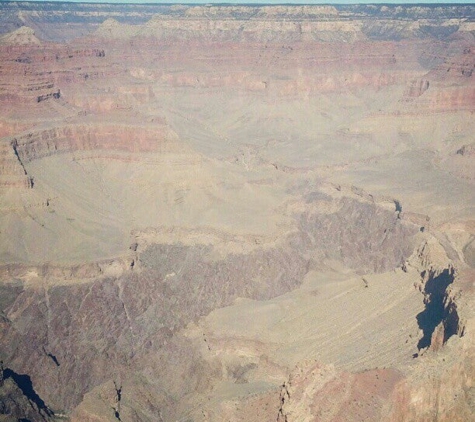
[417, 88]
[108, 141]
[253, 30]
[296, 23]
[336, 233]
[12, 171]
[449, 87]
[70, 273]
[21, 36]
[33, 75]
[439, 320]
[399, 18]
[316, 392]
[19, 400]
[243, 36]
[97, 137]
[467, 150]
[439, 387]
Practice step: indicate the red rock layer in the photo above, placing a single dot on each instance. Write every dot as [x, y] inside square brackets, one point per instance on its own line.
[125, 138]
[450, 87]
[35, 73]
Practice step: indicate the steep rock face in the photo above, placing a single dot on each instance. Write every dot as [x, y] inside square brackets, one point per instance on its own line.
[252, 30]
[447, 396]
[251, 67]
[335, 234]
[21, 84]
[126, 138]
[18, 402]
[49, 72]
[35, 74]
[440, 385]
[460, 67]
[437, 387]
[399, 20]
[302, 23]
[12, 171]
[440, 320]
[449, 87]
[114, 142]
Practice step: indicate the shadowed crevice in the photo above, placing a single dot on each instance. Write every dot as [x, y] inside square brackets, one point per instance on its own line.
[23, 381]
[436, 311]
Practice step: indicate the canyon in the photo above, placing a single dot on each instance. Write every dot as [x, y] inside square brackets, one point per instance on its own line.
[237, 213]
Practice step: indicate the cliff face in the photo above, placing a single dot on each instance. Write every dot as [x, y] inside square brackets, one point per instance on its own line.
[12, 171]
[385, 21]
[32, 74]
[448, 87]
[237, 212]
[448, 395]
[125, 138]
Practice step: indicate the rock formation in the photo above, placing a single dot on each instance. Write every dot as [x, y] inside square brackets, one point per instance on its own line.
[243, 213]
[21, 36]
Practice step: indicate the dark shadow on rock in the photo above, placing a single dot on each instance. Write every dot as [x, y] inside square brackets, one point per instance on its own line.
[435, 311]
[26, 386]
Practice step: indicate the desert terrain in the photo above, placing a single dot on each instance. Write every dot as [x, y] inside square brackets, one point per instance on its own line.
[237, 213]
